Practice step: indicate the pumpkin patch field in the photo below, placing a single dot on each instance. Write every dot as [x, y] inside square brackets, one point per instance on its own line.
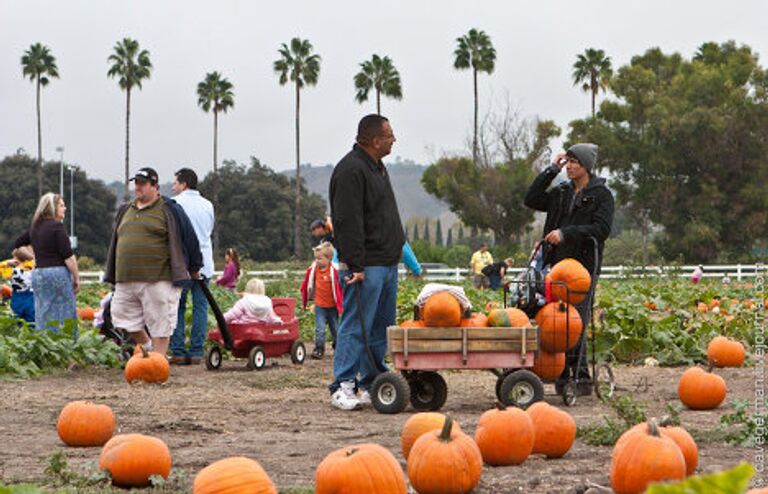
[277, 424]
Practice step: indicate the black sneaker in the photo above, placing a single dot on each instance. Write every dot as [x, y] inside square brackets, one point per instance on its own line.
[317, 353]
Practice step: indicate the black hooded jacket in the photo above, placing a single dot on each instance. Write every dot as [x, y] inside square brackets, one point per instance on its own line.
[591, 216]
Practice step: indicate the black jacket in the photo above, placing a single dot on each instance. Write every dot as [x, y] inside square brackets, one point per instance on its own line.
[366, 224]
[592, 216]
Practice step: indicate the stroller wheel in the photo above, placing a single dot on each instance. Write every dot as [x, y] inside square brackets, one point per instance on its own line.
[570, 393]
[213, 358]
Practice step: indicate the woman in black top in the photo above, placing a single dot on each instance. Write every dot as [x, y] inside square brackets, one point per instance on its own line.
[55, 279]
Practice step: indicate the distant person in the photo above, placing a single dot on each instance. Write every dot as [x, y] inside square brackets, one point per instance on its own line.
[726, 280]
[19, 271]
[496, 272]
[253, 307]
[480, 259]
[56, 279]
[321, 284]
[321, 232]
[231, 274]
[697, 274]
[199, 210]
[410, 261]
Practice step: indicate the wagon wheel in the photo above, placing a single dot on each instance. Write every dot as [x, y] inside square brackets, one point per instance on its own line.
[570, 393]
[390, 393]
[605, 385]
[213, 358]
[428, 391]
[521, 388]
[298, 352]
[256, 358]
[499, 380]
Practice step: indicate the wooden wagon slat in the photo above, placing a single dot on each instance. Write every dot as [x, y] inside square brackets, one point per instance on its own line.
[397, 333]
[436, 346]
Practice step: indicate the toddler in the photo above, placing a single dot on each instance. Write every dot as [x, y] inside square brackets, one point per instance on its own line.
[253, 307]
[321, 284]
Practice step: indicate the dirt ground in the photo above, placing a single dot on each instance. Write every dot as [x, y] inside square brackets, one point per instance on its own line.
[281, 416]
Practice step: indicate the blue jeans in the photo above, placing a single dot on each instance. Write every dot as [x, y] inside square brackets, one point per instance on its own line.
[325, 315]
[23, 305]
[495, 281]
[199, 322]
[378, 297]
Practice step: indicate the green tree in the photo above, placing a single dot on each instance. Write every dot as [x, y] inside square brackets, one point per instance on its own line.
[593, 71]
[460, 236]
[416, 237]
[427, 237]
[449, 238]
[475, 51]
[298, 64]
[39, 65]
[438, 234]
[131, 65]
[380, 75]
[215, 93]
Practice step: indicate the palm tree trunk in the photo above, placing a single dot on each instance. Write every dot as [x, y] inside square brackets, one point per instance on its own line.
[474, 135]
[593, 86]
[39, 144]
[297, 219]
[215, 182]
[126, 193]
[378, 102]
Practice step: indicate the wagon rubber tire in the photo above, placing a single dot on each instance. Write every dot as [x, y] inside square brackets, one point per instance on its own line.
[521, 388]
[257, 358]
[428, 391]
[390, 393]
[298, 352]
[213, 358]
[499, 380]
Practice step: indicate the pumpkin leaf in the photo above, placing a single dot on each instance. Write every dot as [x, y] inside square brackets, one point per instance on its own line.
[733, 481]
[20, 489]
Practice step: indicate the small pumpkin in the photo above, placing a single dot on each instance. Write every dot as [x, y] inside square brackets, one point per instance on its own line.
[418, 424]
[572, 274]
[82, 423]
[86, 313]
[559, 326]
[132, 458]
[554, 430]
[412, 324]
[702, 307]
[643, 458]
[505, 436]
[701, 390]
[548, 366]
[476, 320]
[442, 309]
[679, 435]
[360, 468]
[233, 475]
[151, 367]
[444, 461]
[493, 304]
[509, 317]
[725, 352]
[7, 291]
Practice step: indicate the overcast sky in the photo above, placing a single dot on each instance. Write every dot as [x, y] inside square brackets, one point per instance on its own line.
[536, 44]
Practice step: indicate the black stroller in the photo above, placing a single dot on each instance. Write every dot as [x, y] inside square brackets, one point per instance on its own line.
[118, 336]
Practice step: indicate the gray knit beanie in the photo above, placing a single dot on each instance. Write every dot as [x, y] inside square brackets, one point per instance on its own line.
[585, 152]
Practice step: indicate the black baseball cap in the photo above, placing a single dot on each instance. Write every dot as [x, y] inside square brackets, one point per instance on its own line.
[147, 174]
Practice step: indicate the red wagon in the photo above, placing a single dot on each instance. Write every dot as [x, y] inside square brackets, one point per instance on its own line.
[257, 341]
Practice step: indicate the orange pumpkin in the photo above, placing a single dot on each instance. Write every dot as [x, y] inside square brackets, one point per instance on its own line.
[477, 320]
[572, 274]
[764, 490]
[548, 366]
[493, 304]
[418, 424]
[7, 291]
[132, 458]
[643, 458]
[86, 313]
[442, 309]
[554, 430]
[444, 461]
[680, 436]
[82, 423]
[151, 367]
[701, 390]
[505, 436]
[725, 352]
[559, 326]
[233, 475]
[509, 317]
[412, 324]
[702, 307]
[360, 468]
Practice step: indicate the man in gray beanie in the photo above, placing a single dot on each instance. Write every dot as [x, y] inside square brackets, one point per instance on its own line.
[578, 211]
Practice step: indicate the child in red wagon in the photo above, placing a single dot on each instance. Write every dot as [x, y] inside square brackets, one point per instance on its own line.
[321, 283]
[254, 307]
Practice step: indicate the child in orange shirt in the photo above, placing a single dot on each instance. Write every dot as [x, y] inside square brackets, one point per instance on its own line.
[321, 283]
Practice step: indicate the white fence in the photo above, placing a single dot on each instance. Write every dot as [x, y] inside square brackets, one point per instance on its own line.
[736, 272]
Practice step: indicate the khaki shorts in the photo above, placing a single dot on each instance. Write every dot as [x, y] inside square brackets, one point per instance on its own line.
[480, 281]
[155, 304]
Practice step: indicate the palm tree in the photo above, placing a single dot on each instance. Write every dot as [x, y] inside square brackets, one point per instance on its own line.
[379, 74]
[593, 69]
[131, 65]
[298, 64]
[39, 65]
[475, 51]
[215, 93]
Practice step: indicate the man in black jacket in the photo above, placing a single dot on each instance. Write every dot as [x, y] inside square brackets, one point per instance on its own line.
[369, 238]
[579, 218]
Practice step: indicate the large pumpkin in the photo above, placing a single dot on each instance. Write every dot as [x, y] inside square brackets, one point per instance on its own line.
[418, 424]
[680, 436]
[572, 274]
[505, 436]
[132, 458]
[476, 320]
[233, 475]
[701, 390]
[559, 327]
[725, 352]
[444, 462]
[360, 468]
[151, 367]
[442, 309]
[548, 366]
[82, 423]
[412, 324]
[554, 430]
[643, 458]
[509, 317]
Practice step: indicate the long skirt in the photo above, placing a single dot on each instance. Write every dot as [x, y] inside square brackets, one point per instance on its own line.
[54, 297]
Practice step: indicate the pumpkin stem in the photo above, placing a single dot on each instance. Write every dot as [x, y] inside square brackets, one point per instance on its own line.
[144, 352]
[500, 406]
[653, 429]
[710, 367]
[666, 421]
[445, 434]
[351, 452]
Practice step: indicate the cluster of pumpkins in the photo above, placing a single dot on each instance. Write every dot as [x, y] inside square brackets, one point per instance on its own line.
[559, 323]
[701, 389]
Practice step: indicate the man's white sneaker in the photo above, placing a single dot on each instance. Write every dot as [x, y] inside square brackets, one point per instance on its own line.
[344, 398]
[364, 398]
